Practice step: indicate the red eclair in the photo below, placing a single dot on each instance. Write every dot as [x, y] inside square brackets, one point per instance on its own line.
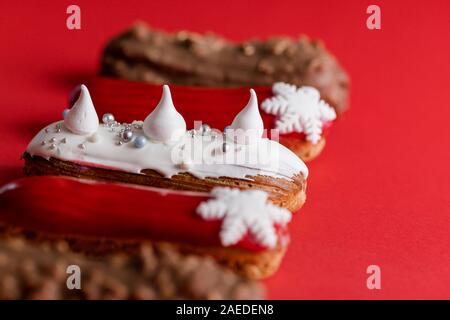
[241, 229]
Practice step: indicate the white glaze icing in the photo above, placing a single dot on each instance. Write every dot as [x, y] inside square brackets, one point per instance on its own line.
[164, 123]
[299, 110]
[82, 118]
[242, 212]
[203, 153]
[248, 126]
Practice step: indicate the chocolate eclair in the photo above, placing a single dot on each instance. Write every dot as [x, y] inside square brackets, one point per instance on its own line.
[188, 58]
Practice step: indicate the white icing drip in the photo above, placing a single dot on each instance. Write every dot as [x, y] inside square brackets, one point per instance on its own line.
[248, 126]
[82, 118]
[164, 123]
[266, 157]
[244, 211]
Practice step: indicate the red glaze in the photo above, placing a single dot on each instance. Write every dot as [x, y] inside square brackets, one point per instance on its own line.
[72, 207]
[129, 100]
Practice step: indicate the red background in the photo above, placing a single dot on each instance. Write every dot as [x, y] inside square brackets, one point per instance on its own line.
[379, 192]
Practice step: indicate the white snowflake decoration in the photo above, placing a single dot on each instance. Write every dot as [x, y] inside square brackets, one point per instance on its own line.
[298, 110]
[242, 212]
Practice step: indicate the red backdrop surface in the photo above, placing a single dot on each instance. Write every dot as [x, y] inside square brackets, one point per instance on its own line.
[379, 193]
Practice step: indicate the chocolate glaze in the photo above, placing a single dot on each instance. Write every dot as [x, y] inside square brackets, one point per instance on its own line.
[188, 58]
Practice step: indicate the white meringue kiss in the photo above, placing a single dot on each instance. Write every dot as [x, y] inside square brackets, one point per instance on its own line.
[248, 126]
[164, 123]
[82, 118]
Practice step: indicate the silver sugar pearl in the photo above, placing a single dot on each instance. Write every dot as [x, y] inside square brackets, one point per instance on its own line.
[82, 146]
[42, 143]
[108, 118]
[127, 135]
[53, 139]
[63, 140]
[138, 124]
[119, 143]
[140, 141]
[53, 146]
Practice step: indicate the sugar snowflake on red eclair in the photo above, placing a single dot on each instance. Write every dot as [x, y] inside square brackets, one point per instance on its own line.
[242, 212]
[298, 110]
